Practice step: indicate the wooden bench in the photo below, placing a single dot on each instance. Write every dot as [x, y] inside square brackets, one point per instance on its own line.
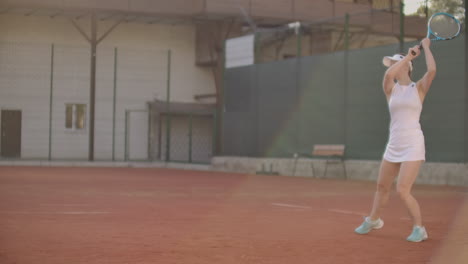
[332, 153]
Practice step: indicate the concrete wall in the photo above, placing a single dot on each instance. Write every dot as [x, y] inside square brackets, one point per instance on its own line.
[430, 173]
[142, 70]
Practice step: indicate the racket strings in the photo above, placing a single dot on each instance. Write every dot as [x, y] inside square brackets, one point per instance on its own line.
[444, 26]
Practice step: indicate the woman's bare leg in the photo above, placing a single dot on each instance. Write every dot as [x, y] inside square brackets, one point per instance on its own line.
[388, 172]
[409, 172]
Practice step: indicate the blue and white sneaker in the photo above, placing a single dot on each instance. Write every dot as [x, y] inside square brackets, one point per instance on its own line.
[368, 225]
[419, 234]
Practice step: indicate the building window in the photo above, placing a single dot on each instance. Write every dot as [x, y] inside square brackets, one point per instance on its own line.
[75, 116]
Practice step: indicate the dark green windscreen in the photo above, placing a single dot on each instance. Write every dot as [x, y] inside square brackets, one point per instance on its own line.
[281, 108]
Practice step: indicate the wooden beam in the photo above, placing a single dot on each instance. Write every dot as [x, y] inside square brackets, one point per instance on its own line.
[109, 30]
[82, 32]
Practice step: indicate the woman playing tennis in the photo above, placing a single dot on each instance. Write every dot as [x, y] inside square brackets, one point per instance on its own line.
[405, 149]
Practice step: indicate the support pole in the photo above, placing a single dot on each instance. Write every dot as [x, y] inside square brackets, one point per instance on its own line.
[149, 135]
[93, 41]
[346, 81]
[215, 132]
[92, 90]
[114, 102]
[127, 132]
[402, 26]
[298, 32]
[190, 137]
[346, 32]
[168, 108]
[51, 102]
[466, 82]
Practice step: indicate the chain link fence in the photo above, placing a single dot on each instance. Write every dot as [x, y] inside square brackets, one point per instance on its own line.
[45, 106]
[281, 108]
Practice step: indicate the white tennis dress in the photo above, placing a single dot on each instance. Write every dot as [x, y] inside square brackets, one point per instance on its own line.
[406, 139]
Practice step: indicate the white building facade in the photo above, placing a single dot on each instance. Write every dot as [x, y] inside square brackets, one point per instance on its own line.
[45, 76]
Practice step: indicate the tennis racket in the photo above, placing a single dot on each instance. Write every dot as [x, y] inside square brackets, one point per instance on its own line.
[442, 26]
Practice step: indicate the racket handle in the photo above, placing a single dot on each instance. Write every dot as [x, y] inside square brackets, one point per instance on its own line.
[420, 48]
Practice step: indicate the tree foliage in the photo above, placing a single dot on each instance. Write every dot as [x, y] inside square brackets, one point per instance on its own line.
[455, 7]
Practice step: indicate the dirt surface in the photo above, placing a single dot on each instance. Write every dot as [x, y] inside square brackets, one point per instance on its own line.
[125, 215]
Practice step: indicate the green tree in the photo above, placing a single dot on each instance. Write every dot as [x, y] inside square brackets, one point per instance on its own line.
[455, 7]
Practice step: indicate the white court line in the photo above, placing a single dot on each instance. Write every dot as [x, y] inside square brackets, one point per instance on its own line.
[339, 211]
[80, 213]
[291, 205]
[346, 212]
[66, 213]
[57, 204]
[363, 214]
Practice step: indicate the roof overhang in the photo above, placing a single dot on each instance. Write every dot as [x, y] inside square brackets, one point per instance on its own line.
[265, 13]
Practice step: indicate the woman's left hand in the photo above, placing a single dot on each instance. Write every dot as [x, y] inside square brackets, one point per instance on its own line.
[414, 52]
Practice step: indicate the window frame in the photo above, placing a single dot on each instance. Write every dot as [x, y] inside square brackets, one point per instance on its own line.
[74, 117]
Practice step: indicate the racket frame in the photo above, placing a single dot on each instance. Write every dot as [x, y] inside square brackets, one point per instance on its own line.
[437, 38]
[430, 32]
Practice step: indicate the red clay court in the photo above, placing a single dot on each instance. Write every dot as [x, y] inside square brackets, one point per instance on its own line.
[128, 215]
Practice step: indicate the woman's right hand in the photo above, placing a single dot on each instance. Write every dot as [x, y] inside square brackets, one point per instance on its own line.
[425, 43]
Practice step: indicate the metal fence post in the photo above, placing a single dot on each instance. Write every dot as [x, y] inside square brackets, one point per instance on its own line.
[346, 82]
[114, 100]
[215, 132]
[168, 108]
[402, 26]
[298, 32]
[466, 81]
[52, 54]
[126, 135]
[190, 137]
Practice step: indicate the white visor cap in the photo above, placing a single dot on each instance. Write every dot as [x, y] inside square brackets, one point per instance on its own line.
[387, 60]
